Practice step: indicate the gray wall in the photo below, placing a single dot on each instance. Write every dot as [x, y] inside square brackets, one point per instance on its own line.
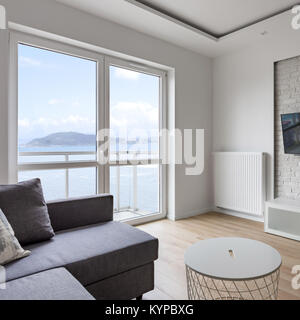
[193, 95]
[287, 100]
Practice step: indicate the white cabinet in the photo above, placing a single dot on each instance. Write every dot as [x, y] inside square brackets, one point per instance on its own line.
[282, 218]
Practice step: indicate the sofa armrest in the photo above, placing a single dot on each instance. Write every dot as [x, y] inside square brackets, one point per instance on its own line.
[79, 212]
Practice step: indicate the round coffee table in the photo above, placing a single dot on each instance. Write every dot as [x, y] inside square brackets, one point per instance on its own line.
[232, 269]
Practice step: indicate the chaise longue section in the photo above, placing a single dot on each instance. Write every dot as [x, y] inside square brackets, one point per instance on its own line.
[111, 260]
[55, 284]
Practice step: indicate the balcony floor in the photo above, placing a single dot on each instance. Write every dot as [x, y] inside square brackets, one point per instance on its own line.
[130, 215]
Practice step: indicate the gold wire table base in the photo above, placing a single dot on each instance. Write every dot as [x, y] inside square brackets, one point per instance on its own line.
[201, 287]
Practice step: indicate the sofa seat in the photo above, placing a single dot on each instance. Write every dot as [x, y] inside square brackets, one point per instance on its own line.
[90, 254]
[56, 284]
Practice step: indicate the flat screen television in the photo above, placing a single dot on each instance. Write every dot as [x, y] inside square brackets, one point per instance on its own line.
[291, 132]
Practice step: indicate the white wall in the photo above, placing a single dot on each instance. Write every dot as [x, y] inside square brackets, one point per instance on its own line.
[193, 79]
[243, 104]
[4, 46]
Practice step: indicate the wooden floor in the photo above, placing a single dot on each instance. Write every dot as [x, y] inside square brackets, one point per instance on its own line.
[176, 237]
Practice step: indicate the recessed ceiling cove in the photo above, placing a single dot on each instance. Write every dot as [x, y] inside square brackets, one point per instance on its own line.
[218, 17]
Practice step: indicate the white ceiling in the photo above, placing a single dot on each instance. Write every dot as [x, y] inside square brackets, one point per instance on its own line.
[215, 16]
[220, 17]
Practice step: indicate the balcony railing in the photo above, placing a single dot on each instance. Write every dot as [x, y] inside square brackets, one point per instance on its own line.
[118, 159]
[33, 163]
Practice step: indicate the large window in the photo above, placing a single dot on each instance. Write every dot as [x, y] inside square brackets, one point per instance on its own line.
[57, 108]
[66, 96]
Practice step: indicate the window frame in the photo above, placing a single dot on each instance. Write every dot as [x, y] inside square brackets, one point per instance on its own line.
[50, 45]
[133, 66]
[102, 113]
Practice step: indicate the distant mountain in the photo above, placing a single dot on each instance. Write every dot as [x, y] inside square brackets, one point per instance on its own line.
[64, 139]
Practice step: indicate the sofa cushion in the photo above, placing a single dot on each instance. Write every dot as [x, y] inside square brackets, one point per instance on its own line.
[10, 248]
[25, 208]
[79, 212]
[55, 284]
[90, 253]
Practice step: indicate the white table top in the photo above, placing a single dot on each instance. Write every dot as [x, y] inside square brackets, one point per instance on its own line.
[232, 258]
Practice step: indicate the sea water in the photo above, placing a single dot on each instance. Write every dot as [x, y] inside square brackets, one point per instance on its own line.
[83, 181]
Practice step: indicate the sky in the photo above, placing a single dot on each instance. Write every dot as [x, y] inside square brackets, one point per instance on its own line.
[57, 93]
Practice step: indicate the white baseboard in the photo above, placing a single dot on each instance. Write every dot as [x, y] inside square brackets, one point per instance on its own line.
[195, 213]
[239, 214]
[191, 214]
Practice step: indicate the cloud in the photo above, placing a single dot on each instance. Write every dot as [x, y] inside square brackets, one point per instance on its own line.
[40, 127]
[55, 101]
[45, 122]
[77, 120]
[24, 123]
[134, 116]
[29, 62]
[62, 122]
[126, 74]
[75, 103]
[34, 63]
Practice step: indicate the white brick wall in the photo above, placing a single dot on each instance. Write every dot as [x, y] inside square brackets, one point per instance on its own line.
[287, 100]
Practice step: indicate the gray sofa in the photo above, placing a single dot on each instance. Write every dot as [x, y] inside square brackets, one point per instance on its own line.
[90, 256]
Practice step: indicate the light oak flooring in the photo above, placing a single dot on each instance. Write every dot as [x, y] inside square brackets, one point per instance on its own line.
[176, 237]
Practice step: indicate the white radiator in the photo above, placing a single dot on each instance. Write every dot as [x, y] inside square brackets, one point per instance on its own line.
[239, 182]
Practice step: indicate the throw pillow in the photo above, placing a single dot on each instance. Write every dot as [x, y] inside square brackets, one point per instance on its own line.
[26, 211]
[10, 248]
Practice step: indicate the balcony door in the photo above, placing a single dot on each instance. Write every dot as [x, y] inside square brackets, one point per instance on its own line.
[65, 97]
[135, 120]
